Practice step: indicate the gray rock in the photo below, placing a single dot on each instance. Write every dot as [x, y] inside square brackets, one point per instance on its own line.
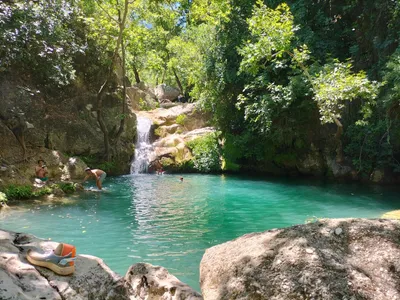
[164, 91]
[29, 125]
[20, 280]
[139, 98]
[92, 278]
[154, 282]
[338, 231]
[246, 268]
[377, 175]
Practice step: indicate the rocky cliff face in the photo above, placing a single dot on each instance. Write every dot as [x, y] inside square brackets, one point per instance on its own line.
[92, 278]
[328, 259]
[37, 124]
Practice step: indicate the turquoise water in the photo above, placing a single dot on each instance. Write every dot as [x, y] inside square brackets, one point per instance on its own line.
[163, 221]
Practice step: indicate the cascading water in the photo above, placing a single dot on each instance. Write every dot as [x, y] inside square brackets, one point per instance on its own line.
[143, 146]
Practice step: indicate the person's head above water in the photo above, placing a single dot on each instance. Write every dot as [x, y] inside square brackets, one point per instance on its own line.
[181, 179]
[88, 170]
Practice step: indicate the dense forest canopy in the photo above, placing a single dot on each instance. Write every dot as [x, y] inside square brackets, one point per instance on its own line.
[279, 77]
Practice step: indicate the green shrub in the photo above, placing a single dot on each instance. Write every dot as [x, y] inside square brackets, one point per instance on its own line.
[19, 192]
[186, 166]
[158, 131]
[42, 191]
[98, 163]
[143, 105]
[206, 152]
[166, 162]
[66, 187]
[89, 159]
[372, 146]
[180, 120]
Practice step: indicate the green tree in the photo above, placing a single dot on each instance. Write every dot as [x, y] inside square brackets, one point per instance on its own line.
[41, 37]
[111, 17]
[272, 32]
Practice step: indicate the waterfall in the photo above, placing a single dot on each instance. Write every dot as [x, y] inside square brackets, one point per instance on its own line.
[143, 146]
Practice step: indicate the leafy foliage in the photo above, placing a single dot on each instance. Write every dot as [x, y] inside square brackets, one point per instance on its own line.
[391, 75]
[41, 36]
[371, 146]
[19, 192]
[270, 72]
[272, 31]
[181, 120]
[335, 84]
[206, 153]
[66, 187]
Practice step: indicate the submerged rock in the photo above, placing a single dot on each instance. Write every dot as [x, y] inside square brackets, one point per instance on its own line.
[307, 262]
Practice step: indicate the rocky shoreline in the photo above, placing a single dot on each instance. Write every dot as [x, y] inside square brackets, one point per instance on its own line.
[327, 259]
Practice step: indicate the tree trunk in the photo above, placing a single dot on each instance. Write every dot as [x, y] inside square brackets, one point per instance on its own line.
[178, 82]
[163, 76]
[122, 123]
[100, 120]
[136, 72]
[338, 139]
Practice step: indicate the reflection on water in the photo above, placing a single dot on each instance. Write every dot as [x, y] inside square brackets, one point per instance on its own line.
[163, 221]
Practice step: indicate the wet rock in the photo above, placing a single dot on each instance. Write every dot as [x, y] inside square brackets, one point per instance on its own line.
[361, 266]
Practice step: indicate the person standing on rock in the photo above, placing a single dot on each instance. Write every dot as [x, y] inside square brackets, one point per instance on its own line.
[97, 174]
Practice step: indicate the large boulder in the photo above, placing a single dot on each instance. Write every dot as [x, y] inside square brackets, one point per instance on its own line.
[163, 91]
[328, 259]
[191, 117]
[20, 280]
[141, 99]
[92, 278]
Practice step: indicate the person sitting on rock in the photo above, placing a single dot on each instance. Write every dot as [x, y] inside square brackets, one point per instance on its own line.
[41, 170]
[97, 174]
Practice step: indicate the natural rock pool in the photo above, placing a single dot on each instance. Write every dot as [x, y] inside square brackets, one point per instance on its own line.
[160, 220]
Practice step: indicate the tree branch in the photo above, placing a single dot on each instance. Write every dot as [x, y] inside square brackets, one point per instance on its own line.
[103, 9]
